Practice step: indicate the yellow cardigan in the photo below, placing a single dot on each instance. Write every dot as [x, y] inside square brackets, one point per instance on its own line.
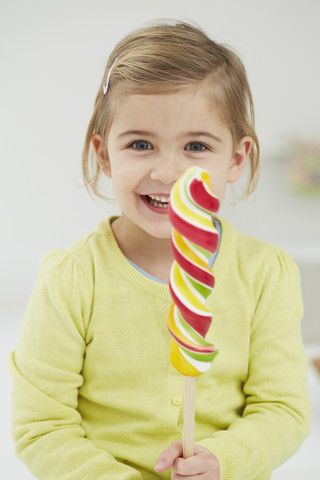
[95, 396]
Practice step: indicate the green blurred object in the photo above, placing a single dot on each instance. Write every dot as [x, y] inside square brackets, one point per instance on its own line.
[304, 168]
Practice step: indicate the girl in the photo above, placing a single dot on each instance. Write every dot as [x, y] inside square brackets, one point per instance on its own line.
[95, 396]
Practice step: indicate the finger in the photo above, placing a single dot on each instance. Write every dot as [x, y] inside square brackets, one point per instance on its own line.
[202, 463]
[167, 458]
[187, 466]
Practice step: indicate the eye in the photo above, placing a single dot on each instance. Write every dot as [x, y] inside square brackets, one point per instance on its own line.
[196, 147]
[141, 145]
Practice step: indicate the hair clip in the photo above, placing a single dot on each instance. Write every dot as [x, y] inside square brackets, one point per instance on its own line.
[106, 84]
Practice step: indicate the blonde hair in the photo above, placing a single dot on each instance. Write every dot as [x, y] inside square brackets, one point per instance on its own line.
[164, 58]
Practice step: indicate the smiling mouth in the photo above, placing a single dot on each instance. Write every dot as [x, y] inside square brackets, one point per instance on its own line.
[158, 201]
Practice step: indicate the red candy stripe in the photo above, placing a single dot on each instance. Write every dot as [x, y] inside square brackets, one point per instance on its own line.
[204, 276]
[200, 323]
[202, 197]
[207, 240]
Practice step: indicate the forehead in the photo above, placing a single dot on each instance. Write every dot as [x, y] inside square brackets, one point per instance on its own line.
[169, 113]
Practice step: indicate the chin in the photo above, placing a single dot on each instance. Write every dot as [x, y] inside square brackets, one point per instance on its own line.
[161, 233]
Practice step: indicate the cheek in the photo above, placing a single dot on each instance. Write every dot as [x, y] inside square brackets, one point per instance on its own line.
[219, 192]
[123, 180]
[219, 183]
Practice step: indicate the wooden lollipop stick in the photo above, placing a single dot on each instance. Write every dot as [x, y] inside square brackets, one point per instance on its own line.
[188, 416]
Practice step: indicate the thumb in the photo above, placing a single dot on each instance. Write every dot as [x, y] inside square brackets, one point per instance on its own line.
[168, 456]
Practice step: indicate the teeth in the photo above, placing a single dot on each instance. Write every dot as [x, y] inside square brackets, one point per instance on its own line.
[158, 198]
[159, 201]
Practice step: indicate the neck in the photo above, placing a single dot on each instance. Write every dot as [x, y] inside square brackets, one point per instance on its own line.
[152, 254]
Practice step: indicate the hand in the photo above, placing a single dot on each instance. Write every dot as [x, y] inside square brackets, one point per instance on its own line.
[203, 464]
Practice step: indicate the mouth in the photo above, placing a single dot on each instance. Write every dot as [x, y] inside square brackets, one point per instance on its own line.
[157, 202]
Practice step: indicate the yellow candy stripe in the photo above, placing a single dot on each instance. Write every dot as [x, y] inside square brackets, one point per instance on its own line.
[194, 239]
[187, 209]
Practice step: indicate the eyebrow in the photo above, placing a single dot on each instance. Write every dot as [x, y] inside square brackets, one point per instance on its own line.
[205, 134]
[185, 134]
[134, 132]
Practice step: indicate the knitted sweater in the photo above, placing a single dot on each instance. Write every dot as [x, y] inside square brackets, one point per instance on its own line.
[95, 396]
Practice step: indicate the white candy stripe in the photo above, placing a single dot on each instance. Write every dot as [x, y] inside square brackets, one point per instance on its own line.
[192, 207]
[197, 265]
[191, 287]
[189, 306]
[190, 202]
[206, 187]
[195, 223]
[180, 326]
[185, 301]
[196, 250]
[200, 366]
[199, 282]
[198, 223]
[186, 289]
[198, 253]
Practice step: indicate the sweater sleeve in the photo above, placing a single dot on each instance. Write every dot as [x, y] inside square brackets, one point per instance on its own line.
[275, 419]
[46, 370]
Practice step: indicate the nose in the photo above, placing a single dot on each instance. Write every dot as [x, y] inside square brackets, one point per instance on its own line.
[167, 169]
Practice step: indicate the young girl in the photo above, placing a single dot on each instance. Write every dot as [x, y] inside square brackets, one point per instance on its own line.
[95, 396]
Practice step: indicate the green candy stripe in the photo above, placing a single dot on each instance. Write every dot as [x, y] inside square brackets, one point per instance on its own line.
[193, 334]
[201, 357]
[205, 252]
[202, 289]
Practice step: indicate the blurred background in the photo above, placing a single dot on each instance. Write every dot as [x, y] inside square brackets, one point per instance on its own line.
[52, 60]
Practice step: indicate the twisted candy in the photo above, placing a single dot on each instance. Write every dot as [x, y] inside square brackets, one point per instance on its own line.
[194, 239]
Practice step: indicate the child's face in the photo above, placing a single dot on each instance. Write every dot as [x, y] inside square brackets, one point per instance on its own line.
[151, 142]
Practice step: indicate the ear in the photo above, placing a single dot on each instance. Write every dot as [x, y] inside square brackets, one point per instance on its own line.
[102, 154]
[239, 159]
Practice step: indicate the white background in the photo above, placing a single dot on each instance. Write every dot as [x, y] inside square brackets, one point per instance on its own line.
[52, 56]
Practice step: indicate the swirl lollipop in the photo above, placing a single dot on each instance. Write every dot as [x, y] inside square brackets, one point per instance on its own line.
[194, 239]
